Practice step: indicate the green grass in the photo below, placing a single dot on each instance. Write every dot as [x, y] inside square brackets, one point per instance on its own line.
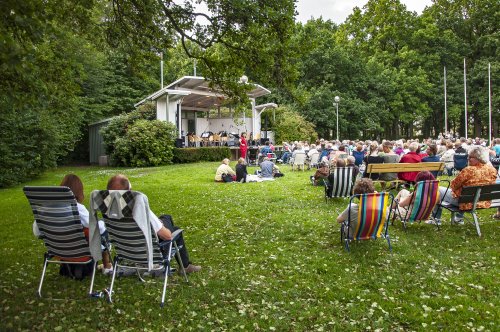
[271, 258]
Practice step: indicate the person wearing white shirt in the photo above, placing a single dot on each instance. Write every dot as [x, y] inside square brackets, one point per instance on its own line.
[162, 226]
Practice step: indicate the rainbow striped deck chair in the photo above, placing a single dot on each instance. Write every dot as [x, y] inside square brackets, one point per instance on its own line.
[424, 199]
[373, 219]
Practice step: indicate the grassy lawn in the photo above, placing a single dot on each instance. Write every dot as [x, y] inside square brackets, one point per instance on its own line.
[272, 260]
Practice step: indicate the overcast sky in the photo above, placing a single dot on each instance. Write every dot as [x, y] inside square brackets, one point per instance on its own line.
[338, 10]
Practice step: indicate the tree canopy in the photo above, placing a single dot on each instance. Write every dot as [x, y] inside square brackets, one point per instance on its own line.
[67, 64]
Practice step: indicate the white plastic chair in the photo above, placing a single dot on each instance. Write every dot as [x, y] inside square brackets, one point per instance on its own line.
[299, 161]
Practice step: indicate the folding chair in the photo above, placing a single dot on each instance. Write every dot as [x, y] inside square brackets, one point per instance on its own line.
[422, 203]
[272, 157]
[135, 242]
[313, 162]
[460, 161]
[299, 161]
[56, 215]
[374, 214]
[339, 183]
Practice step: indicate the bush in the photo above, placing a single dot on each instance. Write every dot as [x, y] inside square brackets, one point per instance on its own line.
[192, 155]
[119, 125]
[291, 126]
[145, 143]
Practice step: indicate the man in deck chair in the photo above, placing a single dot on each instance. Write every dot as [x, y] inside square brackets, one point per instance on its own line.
[163, 226]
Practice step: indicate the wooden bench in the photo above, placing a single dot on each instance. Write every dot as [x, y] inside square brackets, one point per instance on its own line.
[403, 167]
[474, 194]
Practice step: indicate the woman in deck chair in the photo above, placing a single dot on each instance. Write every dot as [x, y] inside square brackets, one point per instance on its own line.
[363, 186]
[74, 183]
[404, 197]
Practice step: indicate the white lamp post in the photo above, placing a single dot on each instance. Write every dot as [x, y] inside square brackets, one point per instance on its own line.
[336, 103]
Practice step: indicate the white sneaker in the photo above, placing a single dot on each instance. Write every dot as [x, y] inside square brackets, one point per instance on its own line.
[433, 221]
[458, 221]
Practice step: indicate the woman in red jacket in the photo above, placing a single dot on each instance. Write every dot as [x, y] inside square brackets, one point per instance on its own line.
[243, 146]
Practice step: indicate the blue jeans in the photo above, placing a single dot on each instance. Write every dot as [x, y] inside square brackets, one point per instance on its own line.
[448, 198]
[286, 156]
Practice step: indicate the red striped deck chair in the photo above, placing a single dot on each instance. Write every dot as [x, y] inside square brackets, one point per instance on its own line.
[424, 199]
[372, 220]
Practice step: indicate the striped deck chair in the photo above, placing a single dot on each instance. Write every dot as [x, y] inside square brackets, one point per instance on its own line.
[56, 215]
[339, 183]
[423, 201]
[372, 220]
[133, 247]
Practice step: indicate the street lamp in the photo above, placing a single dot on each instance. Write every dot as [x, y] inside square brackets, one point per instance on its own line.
[336, 103]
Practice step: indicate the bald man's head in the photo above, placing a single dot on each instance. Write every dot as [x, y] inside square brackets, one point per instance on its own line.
[119, 182]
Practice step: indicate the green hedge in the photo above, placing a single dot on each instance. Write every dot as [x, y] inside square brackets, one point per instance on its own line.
[192, 155]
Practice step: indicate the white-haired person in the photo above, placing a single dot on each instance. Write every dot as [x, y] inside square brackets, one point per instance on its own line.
[477, 173]
[224, 171]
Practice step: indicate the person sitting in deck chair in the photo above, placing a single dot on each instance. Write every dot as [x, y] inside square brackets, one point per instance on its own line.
[362, 186]
[163, 226]
[74, 183]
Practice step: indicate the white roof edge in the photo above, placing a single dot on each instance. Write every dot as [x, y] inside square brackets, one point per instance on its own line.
[260, 86]
[160, 93]
[183, 78]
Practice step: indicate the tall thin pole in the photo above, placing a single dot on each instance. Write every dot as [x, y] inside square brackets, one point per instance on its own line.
[161, 69]
[489, 101]
[465, 98]
[445, 105]
[337, 120]
[194, 67]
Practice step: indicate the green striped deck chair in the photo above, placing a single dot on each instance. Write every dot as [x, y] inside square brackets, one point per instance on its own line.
[130, 241]
[423, 201]
[56, 215]
[372, 219]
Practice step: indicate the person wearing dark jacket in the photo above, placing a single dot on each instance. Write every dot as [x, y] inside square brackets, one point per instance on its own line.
[241, 171]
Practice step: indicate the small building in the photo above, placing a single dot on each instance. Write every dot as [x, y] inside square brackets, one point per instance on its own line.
[188, 101]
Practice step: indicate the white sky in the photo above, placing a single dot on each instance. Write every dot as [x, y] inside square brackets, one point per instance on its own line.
[338, 10]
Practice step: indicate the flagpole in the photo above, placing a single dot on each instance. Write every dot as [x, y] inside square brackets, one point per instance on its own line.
[465, 98]
[161, 69]
[445, 106]
[489, 100]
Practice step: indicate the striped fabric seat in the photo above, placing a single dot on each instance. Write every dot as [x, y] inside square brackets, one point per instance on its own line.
[372, 219]
[129, 240]
[340, 183]
[56, 215]
[425, 198]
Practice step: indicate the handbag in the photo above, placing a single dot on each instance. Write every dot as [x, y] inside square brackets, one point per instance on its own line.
[227, 178]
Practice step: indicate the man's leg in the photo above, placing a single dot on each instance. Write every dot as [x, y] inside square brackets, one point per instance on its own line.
[168, 222]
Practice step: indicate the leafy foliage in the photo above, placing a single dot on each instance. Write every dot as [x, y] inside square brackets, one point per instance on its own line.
[145, 143]
[136, 139]
[291, 126]
[192, 155]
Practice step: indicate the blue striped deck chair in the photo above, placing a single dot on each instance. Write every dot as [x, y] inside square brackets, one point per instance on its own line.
[56, 215]
[372, 220]
[424, 199]
[339, 183]
[134, 249]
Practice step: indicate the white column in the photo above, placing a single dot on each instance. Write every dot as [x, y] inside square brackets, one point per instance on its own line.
[255, 120]
[465, 98]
